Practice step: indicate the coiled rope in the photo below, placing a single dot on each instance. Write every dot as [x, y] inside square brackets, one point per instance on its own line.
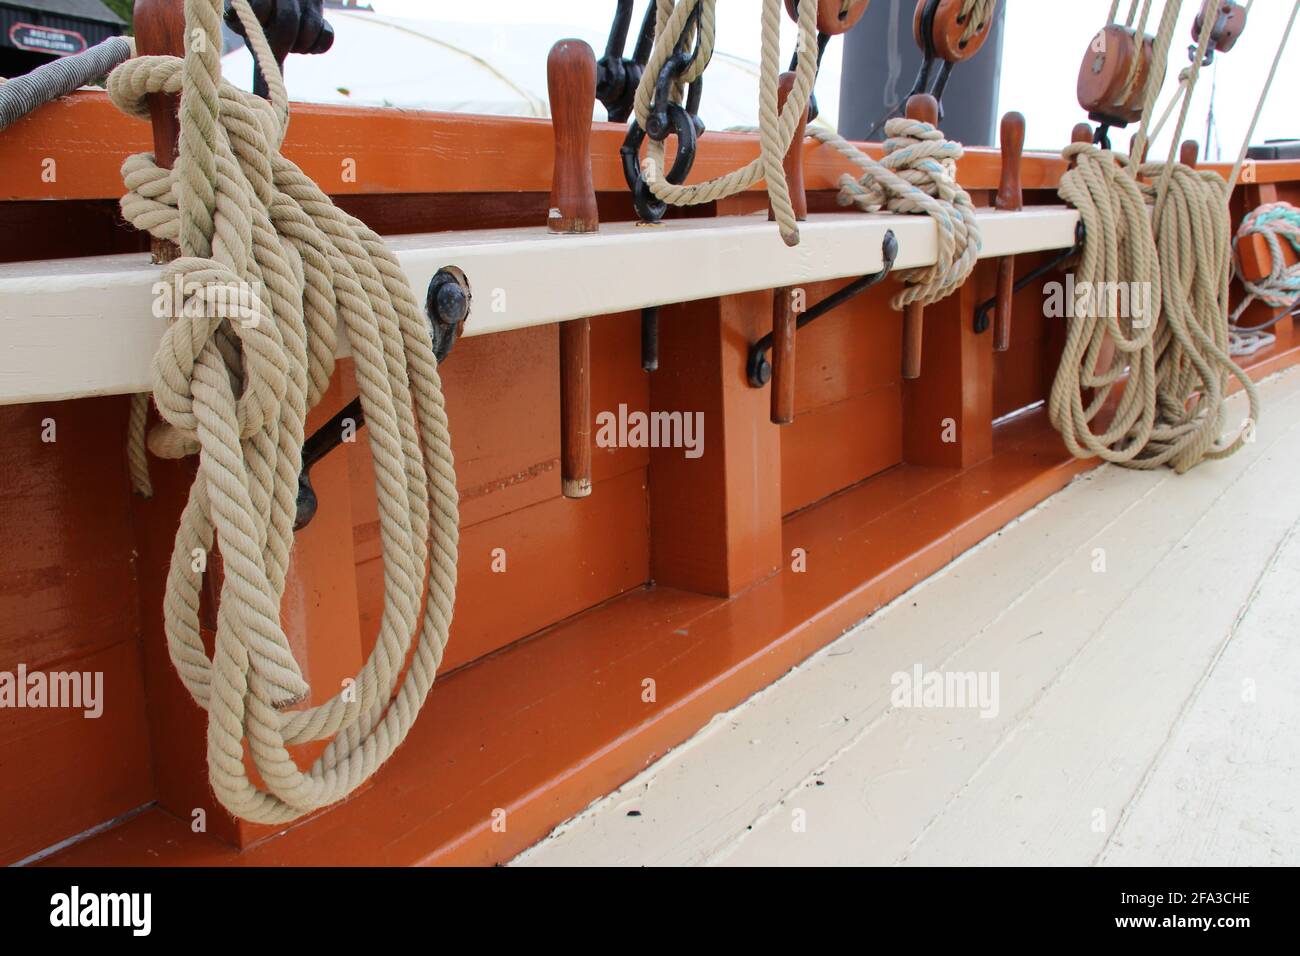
[1280, 289]
[918, 175]
[237, 390]
[1167, 242]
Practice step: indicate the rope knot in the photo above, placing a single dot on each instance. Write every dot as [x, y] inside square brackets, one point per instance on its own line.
[212, 308]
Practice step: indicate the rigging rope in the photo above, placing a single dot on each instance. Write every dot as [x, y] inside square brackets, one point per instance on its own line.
[918, 174]
[1166, 238]
[237, 390]
[1280, 289]
[776, 127]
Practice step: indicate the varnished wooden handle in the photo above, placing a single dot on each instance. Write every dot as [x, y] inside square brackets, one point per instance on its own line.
[1012, 199]
[925, 108]
[1189, 153]
[575, 408]
[160, 31]
[793, 162]
[571, 85]
[1010, 192]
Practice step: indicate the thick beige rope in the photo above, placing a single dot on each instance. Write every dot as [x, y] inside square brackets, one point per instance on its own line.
[1168, 236]
[919, 176]
[776, 127]
[238, 390]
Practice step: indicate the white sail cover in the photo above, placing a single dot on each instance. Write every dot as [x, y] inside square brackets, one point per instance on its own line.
[489, 68]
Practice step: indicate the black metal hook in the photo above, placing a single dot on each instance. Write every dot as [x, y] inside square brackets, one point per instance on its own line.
[982, 321]
[665, 119]
[446, 307]
[759, 370]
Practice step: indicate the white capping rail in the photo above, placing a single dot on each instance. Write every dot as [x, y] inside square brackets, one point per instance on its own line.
[81, 327]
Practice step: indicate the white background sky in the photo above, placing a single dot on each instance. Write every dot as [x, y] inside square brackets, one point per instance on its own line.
[1045, 42]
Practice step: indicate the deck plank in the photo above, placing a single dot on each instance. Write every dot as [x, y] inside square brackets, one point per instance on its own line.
[1096, 671]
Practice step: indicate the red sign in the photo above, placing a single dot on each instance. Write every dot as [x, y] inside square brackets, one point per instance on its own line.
[28, 36]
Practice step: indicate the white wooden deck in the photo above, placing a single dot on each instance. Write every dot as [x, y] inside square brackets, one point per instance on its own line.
[1144, 629]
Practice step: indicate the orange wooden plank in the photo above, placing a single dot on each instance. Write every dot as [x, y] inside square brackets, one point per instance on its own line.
[64, 772]
[538, 731]
[68, 604]
[351, 150]
[521, 572]
[838, 445]
[849, 352]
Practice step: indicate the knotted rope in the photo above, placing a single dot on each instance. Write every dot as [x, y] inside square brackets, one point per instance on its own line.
[776, 127]
[918, 175]
[237, 390]
[1280, 289]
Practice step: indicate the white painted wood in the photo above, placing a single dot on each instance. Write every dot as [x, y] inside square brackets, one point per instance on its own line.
[1102, 699]
[79, 327]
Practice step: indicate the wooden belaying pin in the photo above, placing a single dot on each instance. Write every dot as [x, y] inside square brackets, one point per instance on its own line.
[160, 31]
[1189, 153]
[925, 108]
[571, 85]
[785, 320]
[1011, 199]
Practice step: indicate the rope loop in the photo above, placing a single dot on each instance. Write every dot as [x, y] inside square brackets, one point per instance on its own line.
[235, 384]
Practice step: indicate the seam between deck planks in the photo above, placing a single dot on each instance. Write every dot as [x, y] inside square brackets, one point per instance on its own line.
[716, 837]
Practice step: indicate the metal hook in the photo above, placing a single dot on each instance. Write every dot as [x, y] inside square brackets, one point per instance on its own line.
[759, 369]
[981, 324]
[446, 306]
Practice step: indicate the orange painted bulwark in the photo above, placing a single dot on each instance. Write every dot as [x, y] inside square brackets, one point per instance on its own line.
[707, 575]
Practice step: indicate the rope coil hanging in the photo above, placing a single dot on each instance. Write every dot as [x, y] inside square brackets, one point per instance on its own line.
[1280, 288]
[237, 391]
[1170, 234]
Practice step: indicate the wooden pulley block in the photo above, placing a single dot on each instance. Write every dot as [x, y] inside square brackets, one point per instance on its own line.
[1104, 88]
[832, 18]
[1231, 21]
[947, 29]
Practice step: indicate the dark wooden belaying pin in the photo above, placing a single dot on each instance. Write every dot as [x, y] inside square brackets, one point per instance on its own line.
[784, 317]
[1011, 199]
[925, 108]
[571, 85]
